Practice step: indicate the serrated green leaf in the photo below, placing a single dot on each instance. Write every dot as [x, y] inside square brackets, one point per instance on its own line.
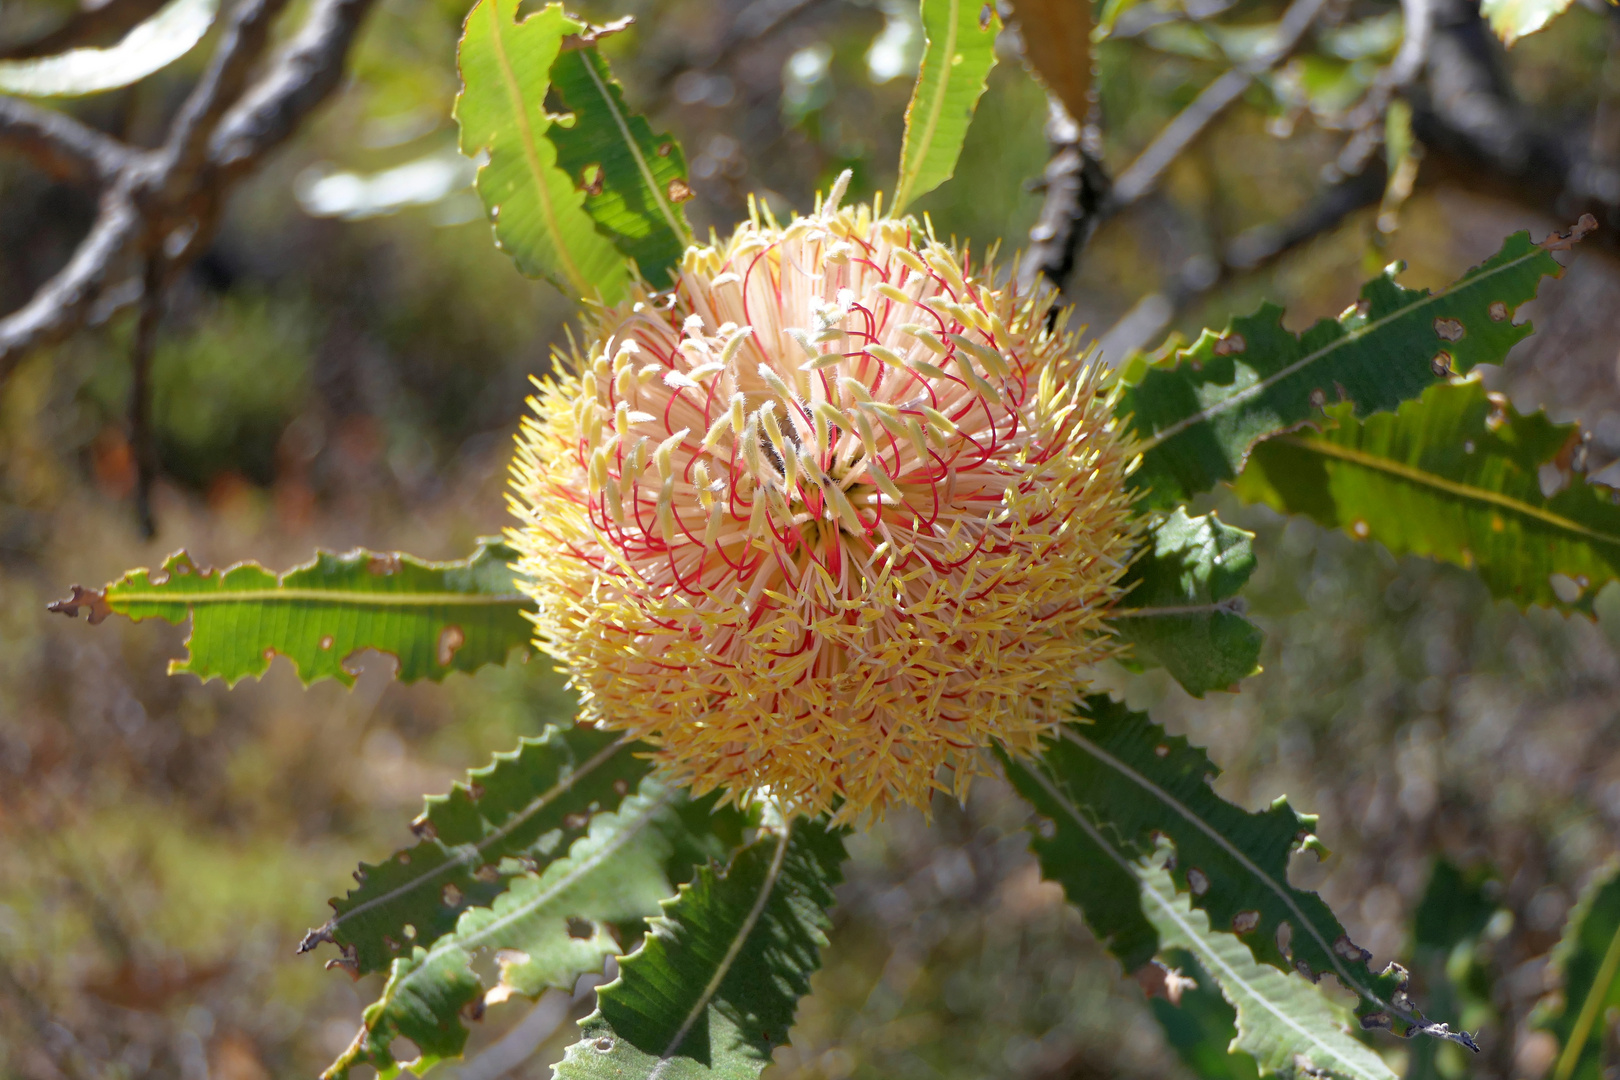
[434, 618]
[1201, 1025]
[958, 56]
[1182, 611]
[1454, 476]
[713, 991]
[539, 215]
[1513, 19]
[1588, 957]
[634, 181]
[1135, 907]
[1113, 783]
[545, 931]
[151, 46]
[1280, 1018]
[1199, 419]
[509, 818]
[1095, 877]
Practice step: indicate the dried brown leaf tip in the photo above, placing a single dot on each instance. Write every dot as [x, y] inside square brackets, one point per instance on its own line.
[592, 34]
[93, 600]
[1563, 241]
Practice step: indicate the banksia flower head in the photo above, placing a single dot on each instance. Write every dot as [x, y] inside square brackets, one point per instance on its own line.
[834, 512]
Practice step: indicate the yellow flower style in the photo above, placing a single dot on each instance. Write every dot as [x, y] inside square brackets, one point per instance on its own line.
[833, 513]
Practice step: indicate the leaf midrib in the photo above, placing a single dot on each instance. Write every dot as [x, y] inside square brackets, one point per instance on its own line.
[647, 177]
[332, 597]
[609, 849]
[935, 108]
[1457, 489]
[1210, 955]
[471, 942]
[1241, 397]
[531, 151]
[772, 874]
[1344, 975]
[465, 853]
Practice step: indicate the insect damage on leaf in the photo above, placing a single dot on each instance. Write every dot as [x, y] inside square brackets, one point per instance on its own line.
[1117, 786]
[512, 817]
[1200, 410]
[93, 601]
[431, 617]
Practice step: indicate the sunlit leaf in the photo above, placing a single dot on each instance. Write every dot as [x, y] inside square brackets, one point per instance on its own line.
[1513, 19]
[433, 618]
[545, 931]
[512, 817]
[634, 181]
[1113, 783]
[539, 214]
[1182, 610]
[149, 47]
[960, 51]
[1199, 418]
[713, 991]
[1201, 1024]
[1457, 476]
[1281, 1018]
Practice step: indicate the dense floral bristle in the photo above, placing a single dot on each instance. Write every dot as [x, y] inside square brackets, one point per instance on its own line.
[833, 513]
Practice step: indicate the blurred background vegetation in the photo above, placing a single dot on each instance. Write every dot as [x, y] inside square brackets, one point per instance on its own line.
[347, 365]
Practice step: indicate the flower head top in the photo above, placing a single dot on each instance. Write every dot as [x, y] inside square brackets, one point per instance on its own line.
[834, 512]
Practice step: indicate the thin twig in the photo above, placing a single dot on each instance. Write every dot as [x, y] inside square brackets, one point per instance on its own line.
[1076, 197]
[141, 436]
[1143, 174]
[1417, 17]
[62, 303]
[302, 74]
[245, 39]
[160, 208]
[60, 144]
[221, 133]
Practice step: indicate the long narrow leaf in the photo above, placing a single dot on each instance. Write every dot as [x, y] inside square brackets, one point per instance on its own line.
[149, 47]
[1589, 959]
[1457, 476]
[960, 51]
[634, 180]
[545, 931]
[714, 990]
[1200, 1025]
[1280, 1018]
[538, 213]
[434, 618]
[1123, 782]
[1182, 611]
[509, 818]
[1199, 419]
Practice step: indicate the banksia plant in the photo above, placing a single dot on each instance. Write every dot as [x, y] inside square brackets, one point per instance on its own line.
[828, 518]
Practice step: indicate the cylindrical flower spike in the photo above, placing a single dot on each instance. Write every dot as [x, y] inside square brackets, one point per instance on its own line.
[840, 513]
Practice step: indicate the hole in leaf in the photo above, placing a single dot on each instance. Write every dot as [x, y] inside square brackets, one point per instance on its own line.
[451, 638]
